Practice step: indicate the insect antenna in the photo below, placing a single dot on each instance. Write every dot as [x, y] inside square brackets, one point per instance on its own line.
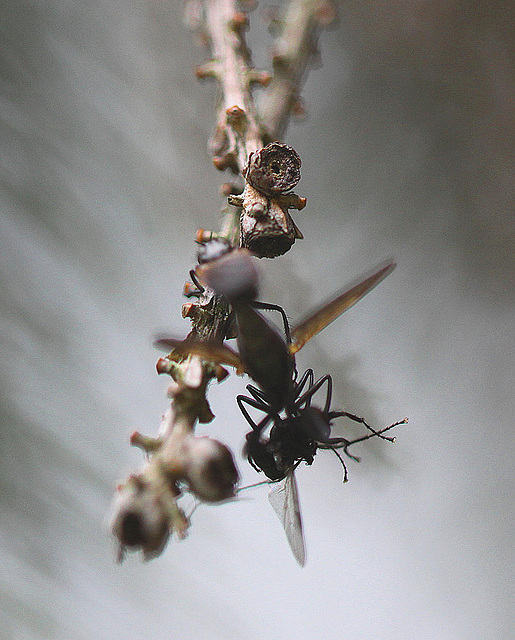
[256, 484]
[351, 416]
[342, 443]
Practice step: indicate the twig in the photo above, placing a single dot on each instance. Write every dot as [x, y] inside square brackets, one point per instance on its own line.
[237, 133]
[293, 53]
[145, 511]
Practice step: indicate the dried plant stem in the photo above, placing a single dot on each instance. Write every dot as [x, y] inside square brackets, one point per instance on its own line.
[237, 133]
[146, 509]
[294, 51]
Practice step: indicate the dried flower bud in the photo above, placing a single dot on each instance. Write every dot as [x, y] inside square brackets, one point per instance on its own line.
[215, 248]
[164, 365]
[258, 210]
[189, 310]
[210, 471]
[204, 235]
[236, 116]
[228, 188]
[274, 169]
[270, 234]
[239, 21]
[140, 519]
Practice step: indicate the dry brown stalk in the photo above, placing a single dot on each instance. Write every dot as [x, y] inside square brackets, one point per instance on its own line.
[294, 51]
[146, 510]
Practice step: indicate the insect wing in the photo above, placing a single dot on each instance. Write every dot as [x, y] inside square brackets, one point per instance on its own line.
[324, 315]
[284, 498]
[214, 352]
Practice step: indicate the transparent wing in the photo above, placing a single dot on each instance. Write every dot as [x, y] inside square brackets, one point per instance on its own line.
[214, 352]
[328, 312]
[284, 498]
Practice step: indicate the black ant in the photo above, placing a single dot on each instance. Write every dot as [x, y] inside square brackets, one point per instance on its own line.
[268, 358]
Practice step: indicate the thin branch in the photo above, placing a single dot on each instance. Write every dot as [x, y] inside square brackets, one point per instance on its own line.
[237, 133]
[293, 54]
[145, 510]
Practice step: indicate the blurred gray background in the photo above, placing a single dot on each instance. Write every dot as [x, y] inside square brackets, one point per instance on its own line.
[104, 179]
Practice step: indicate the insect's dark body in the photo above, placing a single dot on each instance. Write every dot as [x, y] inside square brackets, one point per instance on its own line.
[266, 357]
[297, 434]
[264, 353]
[285, 447]
[290, 443]
[298, 429]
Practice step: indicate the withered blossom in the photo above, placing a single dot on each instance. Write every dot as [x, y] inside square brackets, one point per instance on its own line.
[274, 169]
[140, 518]
[210, 472]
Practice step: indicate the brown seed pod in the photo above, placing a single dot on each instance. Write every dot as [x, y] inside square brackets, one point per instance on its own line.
[266, 227]
[140, 518]
[210, 471]
[274, 169]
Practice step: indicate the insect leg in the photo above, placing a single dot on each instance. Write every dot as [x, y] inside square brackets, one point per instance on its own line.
[308, 378]
[261, 406]
[266, 306]
[345, 474]
[306, 397]
[340, 443]
[258, 394]
[196, 282]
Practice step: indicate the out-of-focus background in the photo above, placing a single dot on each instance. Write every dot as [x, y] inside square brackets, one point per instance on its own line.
[104, 179]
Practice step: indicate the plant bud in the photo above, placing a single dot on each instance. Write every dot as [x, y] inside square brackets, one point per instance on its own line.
[140, 519]
[274, 169]
[210, 472]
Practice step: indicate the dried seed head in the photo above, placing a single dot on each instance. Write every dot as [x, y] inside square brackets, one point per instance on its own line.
[210, 471]
[140, 519]
[274, 169]
[268, 243]
[270, 234]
